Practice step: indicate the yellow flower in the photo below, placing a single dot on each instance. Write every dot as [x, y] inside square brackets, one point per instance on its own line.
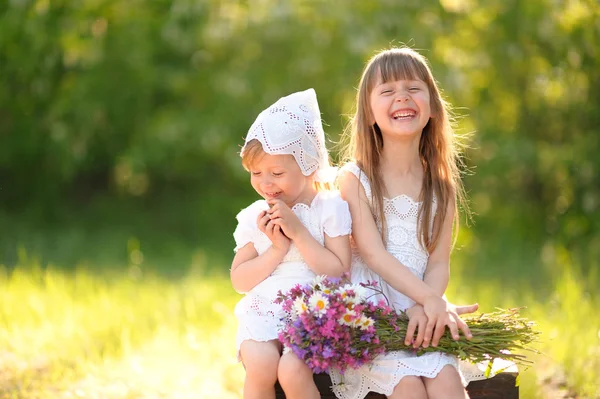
[300, 306]
[318, 303]
[365, 322]
[348, 318]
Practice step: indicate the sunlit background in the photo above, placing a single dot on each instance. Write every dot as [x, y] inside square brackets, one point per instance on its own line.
[120, 126]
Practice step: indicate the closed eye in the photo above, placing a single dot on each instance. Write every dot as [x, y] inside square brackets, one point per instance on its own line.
[278, 174]
[255, 173]
[387, 91]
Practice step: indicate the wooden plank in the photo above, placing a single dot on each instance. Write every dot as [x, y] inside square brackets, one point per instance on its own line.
[501, 386]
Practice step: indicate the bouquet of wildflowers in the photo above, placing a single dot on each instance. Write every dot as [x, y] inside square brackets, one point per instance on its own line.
[331, 324]
[328, 324]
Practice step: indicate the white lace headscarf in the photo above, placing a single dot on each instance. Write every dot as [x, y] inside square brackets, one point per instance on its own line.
[292, 126]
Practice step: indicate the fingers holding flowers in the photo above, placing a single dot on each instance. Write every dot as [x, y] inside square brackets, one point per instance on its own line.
[440, 329]
[417, 323]
[462, 326]
[439, 316]
[334, 335]
[456, 311]
[464, 309]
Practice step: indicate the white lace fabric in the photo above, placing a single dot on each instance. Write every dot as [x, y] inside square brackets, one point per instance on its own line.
[384, 373]
[258, 317]
[292, 126]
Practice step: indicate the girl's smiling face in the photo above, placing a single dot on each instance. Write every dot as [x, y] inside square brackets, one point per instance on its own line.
[280, 177]
[400, 107]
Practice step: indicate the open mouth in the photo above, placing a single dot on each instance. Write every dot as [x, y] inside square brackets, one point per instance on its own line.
[273, 195]
[404, 115]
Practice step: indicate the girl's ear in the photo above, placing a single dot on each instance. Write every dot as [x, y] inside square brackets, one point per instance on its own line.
[436, 109]
[371, 117]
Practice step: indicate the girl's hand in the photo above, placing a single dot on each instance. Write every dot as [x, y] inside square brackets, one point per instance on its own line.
[279, 241]
[464, 309]
[417, 320]
[282, 216]
[441, 314]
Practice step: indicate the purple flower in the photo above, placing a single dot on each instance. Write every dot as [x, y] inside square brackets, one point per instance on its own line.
[320, 335]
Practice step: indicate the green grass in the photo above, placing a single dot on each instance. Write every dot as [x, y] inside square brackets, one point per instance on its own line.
[570, 324]
[77, 334]
[129, 334]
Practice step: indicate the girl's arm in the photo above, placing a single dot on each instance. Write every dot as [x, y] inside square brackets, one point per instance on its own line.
[371, 248]
[437, 276]
[333, 259]
[437, 273]
[373, 252]
[248, 268]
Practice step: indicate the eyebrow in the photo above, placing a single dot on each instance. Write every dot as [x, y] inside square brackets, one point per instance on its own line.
[411, 81]
[377, 85]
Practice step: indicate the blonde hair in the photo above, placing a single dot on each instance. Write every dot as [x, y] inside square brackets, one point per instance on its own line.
[253, 151]
[437, 148]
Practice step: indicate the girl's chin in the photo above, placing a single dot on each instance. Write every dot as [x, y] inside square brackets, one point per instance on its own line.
[276, 197]
[402, 133]
[405, 127]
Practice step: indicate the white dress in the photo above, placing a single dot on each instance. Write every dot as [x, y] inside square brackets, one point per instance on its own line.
[384, 373]
[259, 319]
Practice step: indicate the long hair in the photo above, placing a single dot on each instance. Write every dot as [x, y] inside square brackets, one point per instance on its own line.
[437, 148]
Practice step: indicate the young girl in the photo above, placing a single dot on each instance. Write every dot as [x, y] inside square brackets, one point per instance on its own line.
[293, 234]
[402, 188]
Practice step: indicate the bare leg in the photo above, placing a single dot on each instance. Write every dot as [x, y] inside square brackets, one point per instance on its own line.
[260, 360]
[409, 387]
[446, 385]
[296, 378]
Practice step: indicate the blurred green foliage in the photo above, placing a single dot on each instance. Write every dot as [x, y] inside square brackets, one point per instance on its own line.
[120, 124]
[124, 119]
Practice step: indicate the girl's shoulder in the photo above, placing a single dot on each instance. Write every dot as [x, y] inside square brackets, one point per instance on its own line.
[247, 229]
[334, 213]
[327, 196]
[328, 200]
[250, 213]
[351, 167]
[354, 169]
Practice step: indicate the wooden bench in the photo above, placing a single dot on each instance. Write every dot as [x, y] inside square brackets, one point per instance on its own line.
[501, 386]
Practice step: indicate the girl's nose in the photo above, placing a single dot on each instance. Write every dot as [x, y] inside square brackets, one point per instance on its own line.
[266, 182]
[402, 97]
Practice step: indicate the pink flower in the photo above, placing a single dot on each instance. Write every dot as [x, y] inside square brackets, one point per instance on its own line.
[327, 321]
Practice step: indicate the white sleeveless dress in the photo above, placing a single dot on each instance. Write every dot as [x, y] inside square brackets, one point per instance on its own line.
[259, 319]
[384, 373]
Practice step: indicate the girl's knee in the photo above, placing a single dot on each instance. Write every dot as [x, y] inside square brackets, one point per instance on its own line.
[292, 370]
[449, 375]
[409, 387]
[411, 382]
[260, 360]
[262, 371]
[447, 384]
